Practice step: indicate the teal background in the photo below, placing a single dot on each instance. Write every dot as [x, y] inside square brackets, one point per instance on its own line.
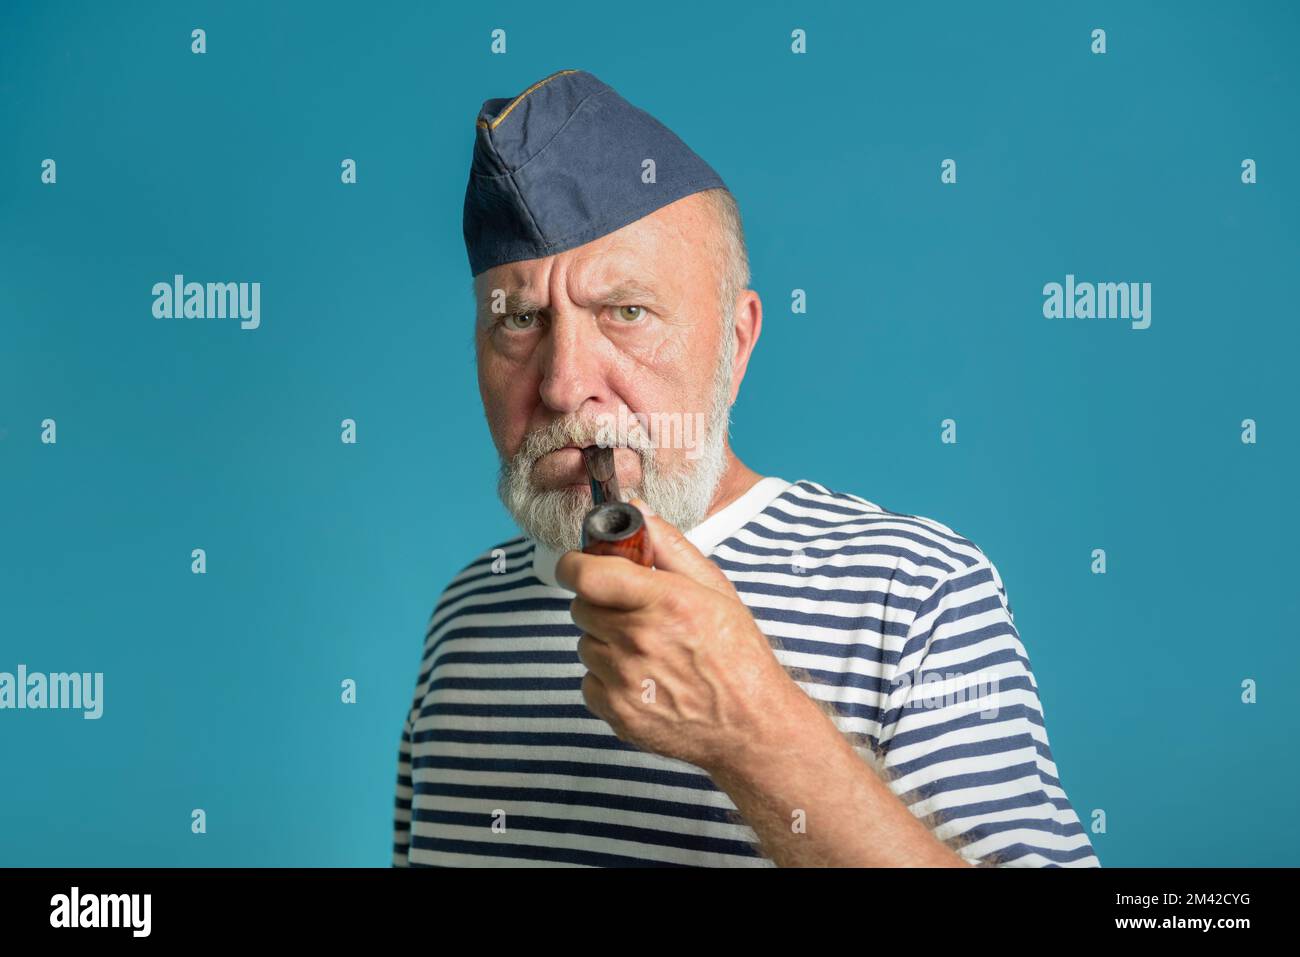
[925, 302]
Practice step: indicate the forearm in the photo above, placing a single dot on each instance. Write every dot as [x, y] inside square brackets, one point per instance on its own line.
[813, 801]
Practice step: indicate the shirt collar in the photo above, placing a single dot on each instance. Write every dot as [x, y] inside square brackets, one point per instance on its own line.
[705, 536]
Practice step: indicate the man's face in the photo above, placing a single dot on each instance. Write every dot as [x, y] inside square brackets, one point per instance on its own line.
[619, 342]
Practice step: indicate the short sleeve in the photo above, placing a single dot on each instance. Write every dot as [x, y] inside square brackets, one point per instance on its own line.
[402, 803]
[404, 796]
[963, 741]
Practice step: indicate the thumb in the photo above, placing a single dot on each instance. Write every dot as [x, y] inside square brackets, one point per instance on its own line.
[674, 552]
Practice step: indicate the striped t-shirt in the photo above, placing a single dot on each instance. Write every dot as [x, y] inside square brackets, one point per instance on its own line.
[898, 624]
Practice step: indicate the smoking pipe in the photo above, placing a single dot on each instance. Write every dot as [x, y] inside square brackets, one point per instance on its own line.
[612, 527]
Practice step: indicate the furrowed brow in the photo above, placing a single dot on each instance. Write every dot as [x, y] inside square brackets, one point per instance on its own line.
[516, 303]
[628, 293]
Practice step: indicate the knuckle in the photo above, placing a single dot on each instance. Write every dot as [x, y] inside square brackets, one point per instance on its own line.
[617, 721]
[578, 612]
[670, 596]
[581, 578]
[638, 640]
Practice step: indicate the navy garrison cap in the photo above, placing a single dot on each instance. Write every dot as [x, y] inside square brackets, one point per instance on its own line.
[561, 164]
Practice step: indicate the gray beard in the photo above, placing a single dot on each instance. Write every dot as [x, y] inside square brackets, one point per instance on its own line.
[553, 517]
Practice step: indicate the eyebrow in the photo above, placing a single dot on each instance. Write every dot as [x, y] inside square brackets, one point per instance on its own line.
[520, 302]
[626, 292]
[516, 303]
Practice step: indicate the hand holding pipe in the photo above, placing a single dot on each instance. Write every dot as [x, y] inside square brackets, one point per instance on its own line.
[612, 527]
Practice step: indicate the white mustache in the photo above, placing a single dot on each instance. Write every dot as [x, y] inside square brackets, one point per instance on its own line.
[638, 443]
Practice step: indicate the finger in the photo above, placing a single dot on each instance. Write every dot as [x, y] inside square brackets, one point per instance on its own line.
[596, 658]
[597, 622]
[595, 696]
[623, 632]
[674, 552]
[607, 580]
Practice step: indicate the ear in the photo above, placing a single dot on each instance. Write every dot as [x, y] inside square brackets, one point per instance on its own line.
[748, 317]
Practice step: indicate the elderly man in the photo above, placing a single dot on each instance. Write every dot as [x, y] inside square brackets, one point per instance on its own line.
[803, 677]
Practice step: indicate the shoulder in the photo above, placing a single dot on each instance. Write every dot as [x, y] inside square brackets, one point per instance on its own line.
[916, 544]
[503, 567]
[923, 564]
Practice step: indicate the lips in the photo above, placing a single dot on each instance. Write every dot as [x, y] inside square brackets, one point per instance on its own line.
[565, 466]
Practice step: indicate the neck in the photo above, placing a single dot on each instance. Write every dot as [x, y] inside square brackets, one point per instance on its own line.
[738, 479]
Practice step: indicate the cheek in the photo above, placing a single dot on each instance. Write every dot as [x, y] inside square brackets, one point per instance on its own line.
[657, 375]
[506, 403]
[668, 354]
[679, 375]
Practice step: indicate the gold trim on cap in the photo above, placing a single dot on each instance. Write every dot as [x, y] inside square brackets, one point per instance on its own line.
[483, 125]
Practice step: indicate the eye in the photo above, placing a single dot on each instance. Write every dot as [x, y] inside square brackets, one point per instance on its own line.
[630, 313]
[526, 321]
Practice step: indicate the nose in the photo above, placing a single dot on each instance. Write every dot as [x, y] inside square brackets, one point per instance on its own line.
[573, 363]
